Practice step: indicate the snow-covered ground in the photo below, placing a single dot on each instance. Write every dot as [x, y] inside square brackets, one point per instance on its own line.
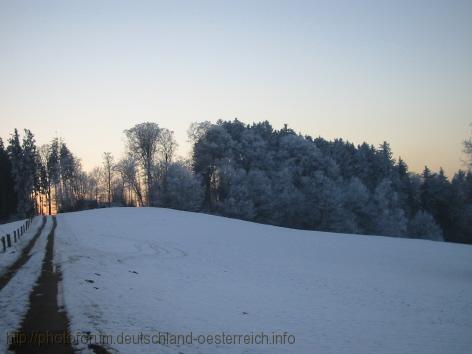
[12, 253]
[145, 270]
[14, 297]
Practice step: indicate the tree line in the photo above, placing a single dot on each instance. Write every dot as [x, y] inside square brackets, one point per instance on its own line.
[251, 172]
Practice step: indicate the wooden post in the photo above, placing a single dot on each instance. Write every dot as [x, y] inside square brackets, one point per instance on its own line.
[14, 238]
[8, 240]
[4, 246]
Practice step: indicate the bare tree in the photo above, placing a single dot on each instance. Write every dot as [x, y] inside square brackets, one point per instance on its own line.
[108, 171]
[468, 150]
[167, 146]
[94, 184]
[143, 142]
[166, 149]
[45, 155]
[127, 168]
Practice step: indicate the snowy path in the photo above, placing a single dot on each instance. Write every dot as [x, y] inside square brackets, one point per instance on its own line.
[45, 317]
[14, 296]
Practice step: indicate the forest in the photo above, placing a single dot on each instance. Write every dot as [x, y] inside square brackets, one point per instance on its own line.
[246, 171]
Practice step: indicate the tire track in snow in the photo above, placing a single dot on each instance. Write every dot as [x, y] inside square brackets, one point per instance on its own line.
[45, 318]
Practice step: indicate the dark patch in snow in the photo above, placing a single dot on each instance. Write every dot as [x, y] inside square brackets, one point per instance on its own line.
[98, 349]
[89, 281]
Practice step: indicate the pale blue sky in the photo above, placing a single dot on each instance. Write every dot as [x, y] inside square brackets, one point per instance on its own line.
[399, 71]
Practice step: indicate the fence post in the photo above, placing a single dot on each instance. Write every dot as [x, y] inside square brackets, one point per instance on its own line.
[8, 240]
[4, 246]
[14, 238]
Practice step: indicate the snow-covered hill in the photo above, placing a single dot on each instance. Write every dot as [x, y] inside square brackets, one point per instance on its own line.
[145, 270]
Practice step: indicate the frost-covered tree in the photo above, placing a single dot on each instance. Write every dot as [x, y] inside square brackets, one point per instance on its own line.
[261, 193]
[436, 199]
[167, 146]
[423, 226]
[43, 155]
[288, 202]
[390, 219]
[208, 153]
[166, 150]
[460, 206]
[197, 130]
[23, 158]
[128, 170]
[355, 199]
[238, 201]
[54, 171]
[67, 174]
[108, 169]
[8, 197]
[94, 185]
[41, 182]
[143, 142]
[183, 188]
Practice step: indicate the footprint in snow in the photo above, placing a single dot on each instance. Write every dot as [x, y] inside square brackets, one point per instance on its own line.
[89, 281]
[133, 271]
